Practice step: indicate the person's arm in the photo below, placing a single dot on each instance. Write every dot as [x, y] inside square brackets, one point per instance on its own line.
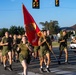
[18, 48]
[40, 43]
[29, 48]
[62, 41]
[2, 42]
[50, 47]
[50, 44]
[74, 41]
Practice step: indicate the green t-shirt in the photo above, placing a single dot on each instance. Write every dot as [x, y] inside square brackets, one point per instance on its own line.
[9, 41]
[65, 42]
[23, 49]
[14, 43]
[44, 46]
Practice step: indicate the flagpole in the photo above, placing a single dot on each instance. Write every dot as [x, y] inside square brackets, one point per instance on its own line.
[52, 51]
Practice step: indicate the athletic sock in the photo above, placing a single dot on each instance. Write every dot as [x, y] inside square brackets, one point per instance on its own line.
[41, 67]
[47, 66]
[66, 61]
[4, 65]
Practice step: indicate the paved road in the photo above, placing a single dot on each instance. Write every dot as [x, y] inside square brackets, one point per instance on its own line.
[63, 69]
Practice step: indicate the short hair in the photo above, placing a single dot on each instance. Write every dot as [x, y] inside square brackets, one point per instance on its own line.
[43, 30]
[64, 30]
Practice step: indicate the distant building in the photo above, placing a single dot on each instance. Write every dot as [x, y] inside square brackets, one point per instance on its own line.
[68, 29]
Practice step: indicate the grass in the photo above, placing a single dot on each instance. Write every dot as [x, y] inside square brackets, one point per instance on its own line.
[56, 44]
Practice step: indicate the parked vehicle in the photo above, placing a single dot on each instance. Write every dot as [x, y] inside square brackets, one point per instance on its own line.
[73, 45]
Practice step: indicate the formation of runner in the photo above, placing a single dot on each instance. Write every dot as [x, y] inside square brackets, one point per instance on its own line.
[17, 48]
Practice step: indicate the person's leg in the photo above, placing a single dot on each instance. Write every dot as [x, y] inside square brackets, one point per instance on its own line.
[36, 48]
[24, 65]
[17, 56]
[4, 61]
[35, 54]
[66, 54]
[48, 59]
[1, 58]
[45, 60]
[48, 62]
[60, 54]
[5, 56]
[41, 64]
[10, 59]
[13, 55]
[41, 58]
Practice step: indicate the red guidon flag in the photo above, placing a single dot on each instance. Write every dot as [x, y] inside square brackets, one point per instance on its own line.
[32, 30]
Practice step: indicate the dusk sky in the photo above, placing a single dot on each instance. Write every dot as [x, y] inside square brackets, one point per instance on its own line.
[11, 12]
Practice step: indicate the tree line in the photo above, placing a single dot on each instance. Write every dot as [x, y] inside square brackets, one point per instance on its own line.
[13, 30]
[53, 26]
